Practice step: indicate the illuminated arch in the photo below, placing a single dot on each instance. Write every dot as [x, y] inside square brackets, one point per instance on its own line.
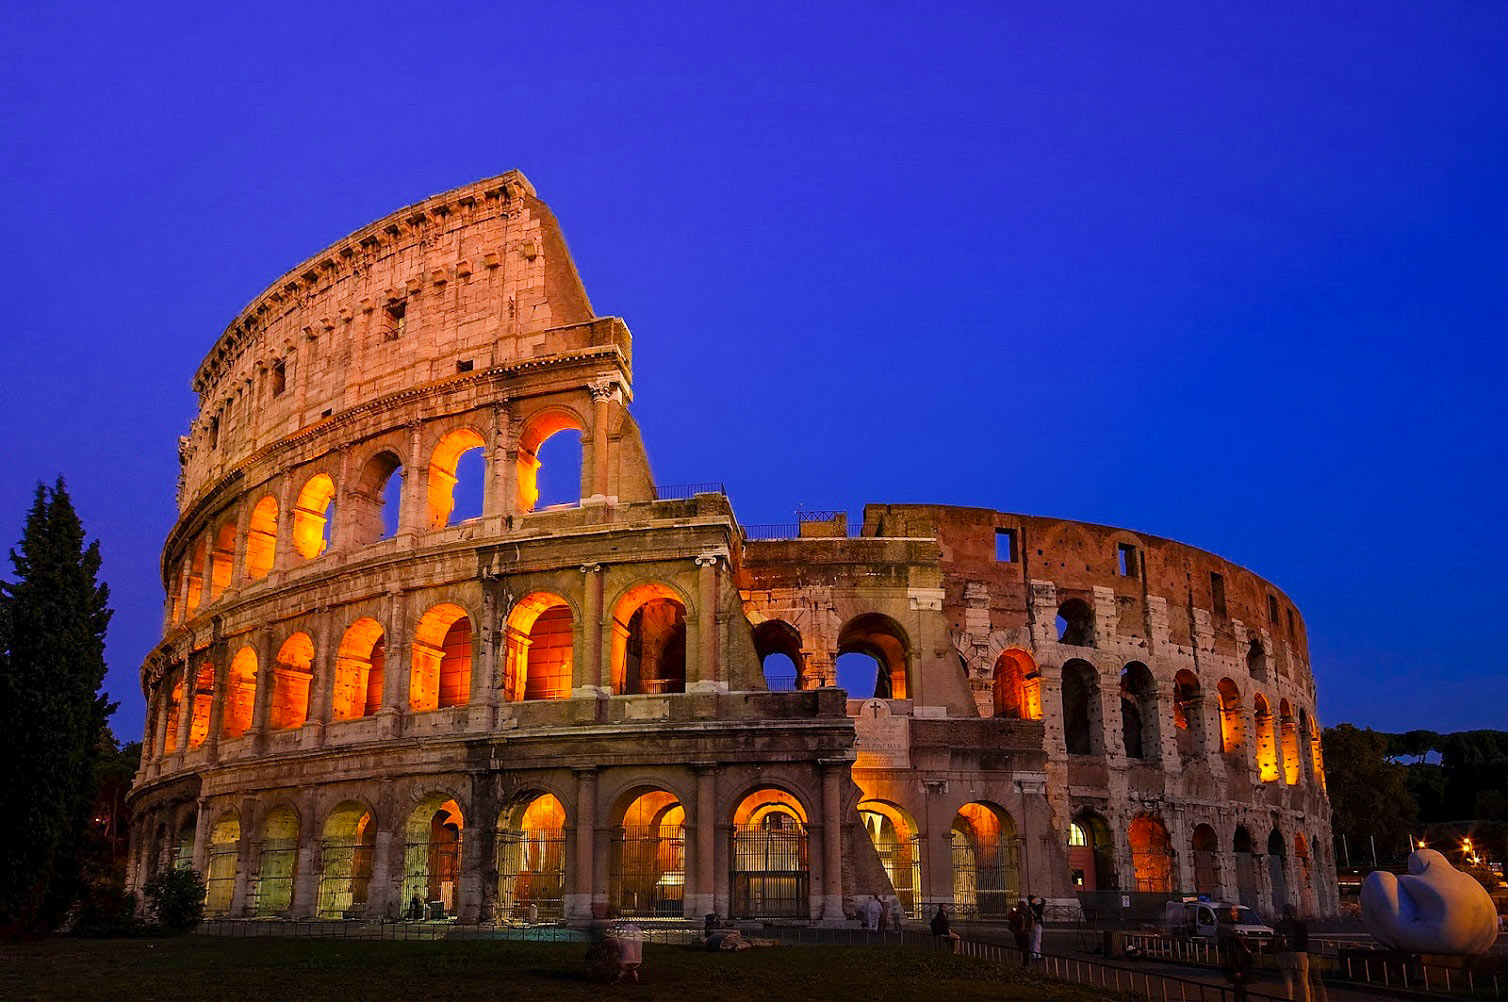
[175, 709]
[1188, 723]
[531, 859]
[346, 851]
[1267, 749]
[985, 869]
[202, 701]
[220, 871]
[539, 640]
[1017, 686]
[1091, 852]
[649, 640]
[312, 513]
[769, 860]
[897, 843]
[240, 692]
[360, 664]
[440, 674]
[647, 873]
[262, 538]
[777, 644]
[222, 559]
[292, 673]
[880, 638]
[432, 856]
[442, 472]
[1232, 727]
[1288, 729]
[540, 428]
[195, 572]
[1205, 845]
[277, 861]
[1151, 854]
[368, 500]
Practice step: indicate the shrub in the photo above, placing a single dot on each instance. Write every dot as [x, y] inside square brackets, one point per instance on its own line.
[175, 898]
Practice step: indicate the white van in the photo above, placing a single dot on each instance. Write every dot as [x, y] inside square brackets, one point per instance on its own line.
[1204, 918]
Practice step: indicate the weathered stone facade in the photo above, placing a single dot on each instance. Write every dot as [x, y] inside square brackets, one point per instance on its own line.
[364, 704]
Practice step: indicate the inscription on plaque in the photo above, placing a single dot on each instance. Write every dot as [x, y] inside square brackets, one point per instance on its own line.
[884, 740]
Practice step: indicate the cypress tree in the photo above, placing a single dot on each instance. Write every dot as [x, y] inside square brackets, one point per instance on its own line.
[53, 618]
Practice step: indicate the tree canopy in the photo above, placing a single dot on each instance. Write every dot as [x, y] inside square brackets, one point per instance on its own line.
[1369, 794]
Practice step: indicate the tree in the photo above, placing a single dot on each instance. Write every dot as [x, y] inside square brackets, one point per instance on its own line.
[175, 898]
[1369, 796]
[53, 619]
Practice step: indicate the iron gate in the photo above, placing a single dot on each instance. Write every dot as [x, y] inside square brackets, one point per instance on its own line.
[769, 872]
[648, 874]
[275, 875]
[984, 877]
[344, 877]
[530, 875]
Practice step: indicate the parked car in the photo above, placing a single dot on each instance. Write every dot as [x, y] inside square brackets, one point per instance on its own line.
[1204, 918]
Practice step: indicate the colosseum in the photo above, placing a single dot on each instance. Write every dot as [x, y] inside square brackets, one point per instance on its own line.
[396, 683]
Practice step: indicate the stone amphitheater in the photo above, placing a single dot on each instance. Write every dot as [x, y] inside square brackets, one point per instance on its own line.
[396, 683]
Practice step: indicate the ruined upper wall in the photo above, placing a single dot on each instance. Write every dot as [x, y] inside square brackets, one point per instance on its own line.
[466, 280]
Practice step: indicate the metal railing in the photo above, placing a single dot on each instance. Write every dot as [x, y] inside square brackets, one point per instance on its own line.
[685, 492]
[773, 530]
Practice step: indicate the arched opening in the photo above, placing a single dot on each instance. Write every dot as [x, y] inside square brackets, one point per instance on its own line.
[1317, 754]
[531, 860]
[183, 853]
[1267, 748]
[1091, 853]
[896, 842]
[1277, 870]
[291, 676]
[769, 878]
[276, 862]
[561, 483]
[203, 701]
[1188, 719]
[360, 663]
[1016, 687]
[648, 867]
[1081, 709]
[1256, 661]
[1305, 873]
[778, 645]
[872, 658]
[649, 642]
[440, 675]
[432, 858]
[985, 881]
[195, 572]
[376, 499]
[221, 559]
[1139, 732]
[240, 692]
[448, 475]
[262, 538]
[1076, 623]
[346, 852]
[175, 709]
[1288, 728]
[1232, 727]
[1245, 850]
[220, 873]
[1151, 854]
[539, 641]
[314, 516]
[1206, 847]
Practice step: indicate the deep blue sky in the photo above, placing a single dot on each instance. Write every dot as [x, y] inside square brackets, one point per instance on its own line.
[1230, 273]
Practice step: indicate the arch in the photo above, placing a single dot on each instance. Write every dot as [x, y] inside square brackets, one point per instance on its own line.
[1288, 731]
[313, 515]
[360, 666]
[1082, 731]
[221, 559]
[347, 847]
[292, 674]
[1256, 660]
[1245, 849]
[777, 644]
[1305, 873]
[769, 876]
[1016, 686]
[195, 573]
[1267, 749]
[1188, 720]
[531, 859]
[1316, 753]
[897, 842]
[183, 850]
[240, 692]
[1232, 726]
[175, 709]
[443, 463]
[1075, 623]
[220, 871]
[277, 861]
[647, 875]
[540, 637]
[375, 498]
[882, 639]
[1091, 853]
[440, 674]
[1205, 845]
[1140, 736]
[1151, 854]
[649, 641]
[262, 538]
[432, 858]
[985, 870]
[1277, 870]
[536, 432]
[202, 701]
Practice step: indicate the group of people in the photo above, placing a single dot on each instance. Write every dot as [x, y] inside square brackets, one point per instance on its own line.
[877, 914]
[1290, 947]
[1025, 923]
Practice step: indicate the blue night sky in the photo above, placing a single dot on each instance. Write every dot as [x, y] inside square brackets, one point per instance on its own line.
[1228, 273]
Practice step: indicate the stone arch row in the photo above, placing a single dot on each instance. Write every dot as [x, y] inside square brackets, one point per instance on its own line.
[1285, 743]
[280, 683]
[332, 506]
[788, 662]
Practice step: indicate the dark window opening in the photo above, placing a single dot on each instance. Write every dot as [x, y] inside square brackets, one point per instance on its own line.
[1076, 623]
[214, 432]
[1272, 608]
[326, 412]
[1005, 546]
[1290, 621]
[1125, 560]
[1217, 593]
[397, 321]
[464, 365]
[279, 377]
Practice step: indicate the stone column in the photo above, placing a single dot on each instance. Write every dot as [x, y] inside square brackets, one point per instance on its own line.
[708, 672]
[282, 551]
[592, 677]
[201, 837]
[578, 904]
[399, 660]
[262, 698]
[382, 896]
[158, 751]
[604, 391]
[240, 906]
[185, 711]
[322, 686]
[477, 848]
[703, 896]
[306, 869]
[217, 702]
[832, 840]
[1167, 730]
[413, 517]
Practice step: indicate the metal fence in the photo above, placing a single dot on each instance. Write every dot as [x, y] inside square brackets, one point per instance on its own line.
[769, 872]
[685, 492]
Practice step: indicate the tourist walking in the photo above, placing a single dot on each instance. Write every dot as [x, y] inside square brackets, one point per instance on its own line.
[1019, 921]
[1292, 948]
[1235, 955]
[1038, 907]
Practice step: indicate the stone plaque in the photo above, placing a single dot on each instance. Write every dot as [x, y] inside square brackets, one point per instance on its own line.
[884, 740]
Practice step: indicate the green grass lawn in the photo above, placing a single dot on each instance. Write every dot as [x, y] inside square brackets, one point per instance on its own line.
[290, 970]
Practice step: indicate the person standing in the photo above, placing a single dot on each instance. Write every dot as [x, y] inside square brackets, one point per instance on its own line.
[1038, 908]
[1019, 922]
[1235, 955]
[1292, 948]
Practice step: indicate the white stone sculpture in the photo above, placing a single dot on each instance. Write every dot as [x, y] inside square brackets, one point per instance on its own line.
[1434, 908]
